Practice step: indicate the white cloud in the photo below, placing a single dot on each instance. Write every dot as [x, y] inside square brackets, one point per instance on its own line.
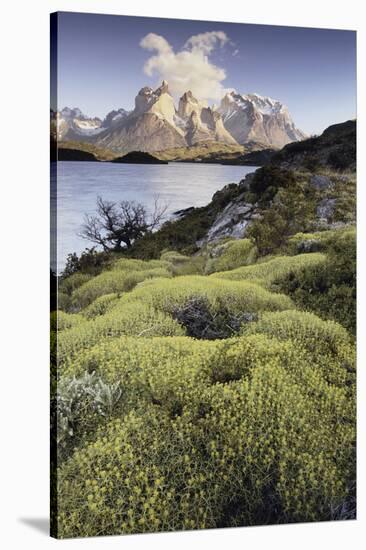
[154, 41]
[206, 41]
[190, 68]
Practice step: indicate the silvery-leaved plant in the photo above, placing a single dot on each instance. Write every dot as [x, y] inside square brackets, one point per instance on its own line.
[77, 396]
[105, 396]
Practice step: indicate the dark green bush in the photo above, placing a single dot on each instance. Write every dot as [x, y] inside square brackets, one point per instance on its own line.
[203, 322]
[291, 211]
[90, 261]
[342, 159]
[328, 289]
[268, 179]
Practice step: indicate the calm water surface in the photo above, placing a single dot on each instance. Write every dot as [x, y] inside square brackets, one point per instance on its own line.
[179, 185]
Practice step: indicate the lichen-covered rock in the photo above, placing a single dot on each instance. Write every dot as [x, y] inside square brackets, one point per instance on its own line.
[325, 209]
[321, 182]
[232, 221]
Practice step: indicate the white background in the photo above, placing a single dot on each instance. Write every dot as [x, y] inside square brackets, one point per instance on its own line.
[24, 264]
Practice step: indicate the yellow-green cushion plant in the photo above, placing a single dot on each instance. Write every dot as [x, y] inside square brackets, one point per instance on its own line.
[114, 281]
[236, 296]
[328, 343]
[231, 255]
[267, 272]
[259, 448]
[100, 306]
[68, 320]
[134, 319]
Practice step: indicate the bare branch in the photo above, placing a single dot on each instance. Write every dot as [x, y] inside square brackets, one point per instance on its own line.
[158, 213]
[119, 225]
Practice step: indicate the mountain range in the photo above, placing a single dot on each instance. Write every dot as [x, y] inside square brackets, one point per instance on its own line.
[157, 124]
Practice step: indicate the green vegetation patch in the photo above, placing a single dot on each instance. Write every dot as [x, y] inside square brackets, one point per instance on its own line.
[230, 255]
[265, 447]
[237, 296]
[267, 272]
[328, 288]
[124, 276]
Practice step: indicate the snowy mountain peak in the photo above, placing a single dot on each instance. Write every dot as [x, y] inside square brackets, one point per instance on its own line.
[73, 124]
[114, 117]
[155, 123]
[72, 113]
[254, 117]
[266, 105]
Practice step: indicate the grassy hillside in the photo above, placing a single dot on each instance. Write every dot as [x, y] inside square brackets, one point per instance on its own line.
[210, 152]
[334, 148]
[100, 154]
[204, 391]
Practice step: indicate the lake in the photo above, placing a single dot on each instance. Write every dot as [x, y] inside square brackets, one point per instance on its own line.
[179, 185]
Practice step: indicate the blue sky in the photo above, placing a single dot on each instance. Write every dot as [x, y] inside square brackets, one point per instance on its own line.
[102, 65]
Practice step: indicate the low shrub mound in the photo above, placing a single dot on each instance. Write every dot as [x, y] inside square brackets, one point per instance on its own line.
[230, 255]
[319, 241]
[337, 357]
[236, 296]
[196, 454]
[328, 288]
[189, 401]
[183, 265]
[124, 276]
[74, 281]
[100, 306]
[135, 319]
[148, 309]
[68, 320]
[267, 272]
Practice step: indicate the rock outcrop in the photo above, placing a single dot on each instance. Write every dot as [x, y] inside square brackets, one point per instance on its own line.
[331, 191]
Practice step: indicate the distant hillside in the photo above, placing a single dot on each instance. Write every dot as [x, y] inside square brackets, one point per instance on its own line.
[252, 154]
[254, 158]
[139, 157]
[98, 152]
[335, 148]
[213, 152]
[75, 155]
[204, 151]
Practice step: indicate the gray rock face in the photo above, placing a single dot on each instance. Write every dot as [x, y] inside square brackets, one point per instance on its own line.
[147, 132]
[188, 104]
[231, 222]
[321, 182]
[325, 209]
[203, 123]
